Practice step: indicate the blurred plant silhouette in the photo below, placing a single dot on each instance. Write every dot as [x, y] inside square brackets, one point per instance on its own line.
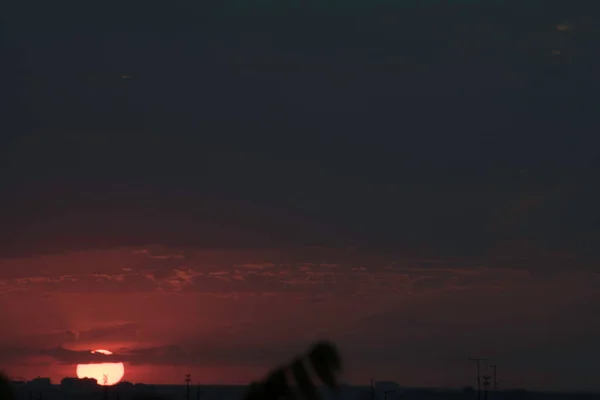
[5, 389]
[146, 397]
[326, 363]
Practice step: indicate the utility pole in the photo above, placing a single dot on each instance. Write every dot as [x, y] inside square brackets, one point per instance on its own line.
[105, 383]
[478, 361]
[372, 390]
[486, 384]
[198, 390]
[493, 366]
[188, 379]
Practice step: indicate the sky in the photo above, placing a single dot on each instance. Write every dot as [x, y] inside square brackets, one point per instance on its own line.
[206, 189]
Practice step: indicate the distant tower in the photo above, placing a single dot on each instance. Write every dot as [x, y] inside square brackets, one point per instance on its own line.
[372, 390]
[478, 363]
[105, 383]
[188, 379]
[486, 384]
[494, 376]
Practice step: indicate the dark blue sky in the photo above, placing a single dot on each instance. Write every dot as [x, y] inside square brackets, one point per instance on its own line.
[388, 123]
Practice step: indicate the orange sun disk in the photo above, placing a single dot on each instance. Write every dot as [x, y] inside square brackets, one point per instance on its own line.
[106, 374]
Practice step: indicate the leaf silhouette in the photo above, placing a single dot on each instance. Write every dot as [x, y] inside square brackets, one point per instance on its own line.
[256, 391]
[5, 389]
[305, 385]
[276, 385]
[147, 397]
[324, 359]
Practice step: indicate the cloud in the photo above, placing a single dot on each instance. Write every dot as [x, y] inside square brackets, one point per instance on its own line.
[259, 267]
[66, 356]
[159, 252]
[165, 355]
[122, 331]
[221, 274]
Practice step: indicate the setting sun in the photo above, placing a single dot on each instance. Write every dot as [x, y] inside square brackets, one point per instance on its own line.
[106, 374]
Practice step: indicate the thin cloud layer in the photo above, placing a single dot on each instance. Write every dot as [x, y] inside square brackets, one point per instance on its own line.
[188, 308]
[129, 270]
